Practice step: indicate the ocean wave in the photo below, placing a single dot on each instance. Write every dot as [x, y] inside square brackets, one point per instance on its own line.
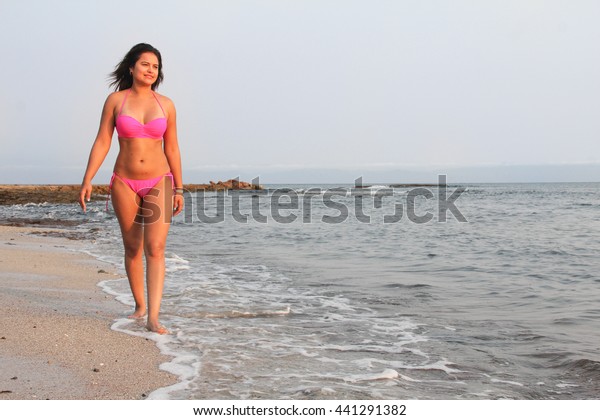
[387, 374]
[174, 263]
[582, 366]
[238, 314]
[406, 286]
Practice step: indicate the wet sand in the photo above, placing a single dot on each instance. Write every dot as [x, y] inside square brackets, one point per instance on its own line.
[56, 340]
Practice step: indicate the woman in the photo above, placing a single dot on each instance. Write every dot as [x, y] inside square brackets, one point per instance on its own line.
[146, 186]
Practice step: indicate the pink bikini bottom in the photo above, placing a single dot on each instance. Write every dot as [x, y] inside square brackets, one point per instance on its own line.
[139, 186]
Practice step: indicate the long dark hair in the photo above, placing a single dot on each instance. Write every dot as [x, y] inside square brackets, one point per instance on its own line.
[122, 79]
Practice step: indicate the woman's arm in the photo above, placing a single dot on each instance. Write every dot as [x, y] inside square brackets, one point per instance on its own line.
[99, 149]
[171, 148]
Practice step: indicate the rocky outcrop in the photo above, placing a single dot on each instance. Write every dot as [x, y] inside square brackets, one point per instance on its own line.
[23, 194]
[231, 184]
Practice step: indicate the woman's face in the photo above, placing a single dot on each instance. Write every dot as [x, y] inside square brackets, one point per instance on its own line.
[145, 70]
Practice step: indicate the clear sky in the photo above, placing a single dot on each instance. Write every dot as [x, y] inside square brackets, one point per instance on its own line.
[314, 90]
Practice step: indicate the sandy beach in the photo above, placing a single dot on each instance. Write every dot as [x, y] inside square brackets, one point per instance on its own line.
[56, 340]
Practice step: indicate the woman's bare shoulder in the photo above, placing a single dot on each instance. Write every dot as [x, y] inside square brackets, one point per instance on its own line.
[114, 98]
[165, 101]
[163, 98]
[117, 96]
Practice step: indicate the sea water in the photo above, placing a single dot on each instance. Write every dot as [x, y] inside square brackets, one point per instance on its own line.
[336, 292]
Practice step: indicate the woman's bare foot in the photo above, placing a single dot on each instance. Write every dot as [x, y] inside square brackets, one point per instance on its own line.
[138, 314]
[157, 328]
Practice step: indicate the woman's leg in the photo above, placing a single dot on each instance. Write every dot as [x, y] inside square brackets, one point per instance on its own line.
[157, 211]
[127, 209]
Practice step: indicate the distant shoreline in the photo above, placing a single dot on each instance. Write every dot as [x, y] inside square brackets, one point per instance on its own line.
[69, 193]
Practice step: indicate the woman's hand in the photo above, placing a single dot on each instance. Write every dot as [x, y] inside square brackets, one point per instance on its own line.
[177, 204]
[85, 194]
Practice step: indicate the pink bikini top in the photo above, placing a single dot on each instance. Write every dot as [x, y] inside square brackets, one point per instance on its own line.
[130, 128]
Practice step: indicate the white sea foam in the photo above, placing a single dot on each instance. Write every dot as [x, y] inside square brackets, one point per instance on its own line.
[241, 314]
[44, 204]
[566, 385]
[386, 374]
[184, 364]
[175, 263]
[501, 381]
[440, 365]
